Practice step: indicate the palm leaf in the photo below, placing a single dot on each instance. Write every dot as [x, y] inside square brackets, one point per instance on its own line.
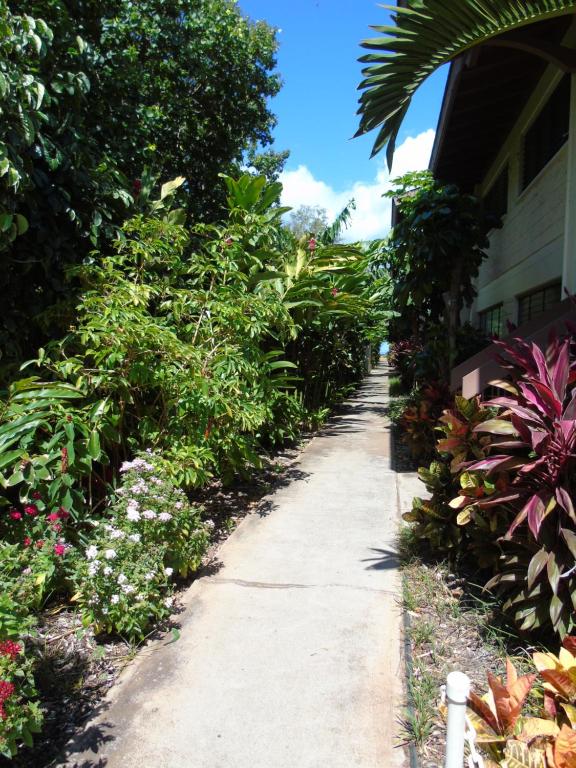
[427, 35]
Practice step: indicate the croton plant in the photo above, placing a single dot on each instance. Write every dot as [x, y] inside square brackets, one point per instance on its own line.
[504, 486]
[545, 737]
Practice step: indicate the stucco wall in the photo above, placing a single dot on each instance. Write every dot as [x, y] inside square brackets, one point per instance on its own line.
[528, 250]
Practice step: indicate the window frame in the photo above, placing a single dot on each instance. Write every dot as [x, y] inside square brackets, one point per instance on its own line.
[534, 292]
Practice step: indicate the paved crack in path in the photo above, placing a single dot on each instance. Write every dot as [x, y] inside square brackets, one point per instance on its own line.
[289, 656]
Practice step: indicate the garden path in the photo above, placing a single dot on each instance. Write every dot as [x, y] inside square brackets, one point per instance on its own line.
[289, 655]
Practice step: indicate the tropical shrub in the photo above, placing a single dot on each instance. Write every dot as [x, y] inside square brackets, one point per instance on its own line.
[435, 251]
[149, 533]
[419, 419]
[402, 358]
[537, 427]
[20, 715]
[437, 519]
[512, 469]
[508, 736]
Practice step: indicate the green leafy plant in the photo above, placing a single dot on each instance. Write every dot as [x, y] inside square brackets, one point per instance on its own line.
[150, 533]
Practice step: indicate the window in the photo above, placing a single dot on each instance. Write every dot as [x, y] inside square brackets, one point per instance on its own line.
[491, 321]
[547, 133]
[537, 302]
[496, 200]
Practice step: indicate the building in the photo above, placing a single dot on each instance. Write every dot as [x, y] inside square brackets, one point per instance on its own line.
[507, 133]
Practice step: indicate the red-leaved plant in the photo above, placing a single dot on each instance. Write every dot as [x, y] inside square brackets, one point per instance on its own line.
[535, 436]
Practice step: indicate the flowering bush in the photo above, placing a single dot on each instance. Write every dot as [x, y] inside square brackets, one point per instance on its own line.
[34, 550]
[151, 532]
[20, 717]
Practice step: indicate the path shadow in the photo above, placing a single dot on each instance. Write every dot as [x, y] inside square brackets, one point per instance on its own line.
[385, 560]
[83, 750]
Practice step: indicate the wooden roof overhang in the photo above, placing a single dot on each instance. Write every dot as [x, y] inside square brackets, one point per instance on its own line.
[486, 91]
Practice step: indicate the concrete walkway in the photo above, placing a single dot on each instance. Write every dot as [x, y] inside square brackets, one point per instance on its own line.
[289, 655]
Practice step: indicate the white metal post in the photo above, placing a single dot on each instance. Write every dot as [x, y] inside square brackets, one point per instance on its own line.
[457, 690]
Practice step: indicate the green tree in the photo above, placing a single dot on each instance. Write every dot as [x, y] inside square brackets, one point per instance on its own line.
[308, 220]
[434, 254]
[90, 95]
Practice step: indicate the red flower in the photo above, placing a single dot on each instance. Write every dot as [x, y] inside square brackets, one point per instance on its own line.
[6, 690]
[334, 291]
[228, 241]
[137, 187]
[15, 515]
[53, 517]
[63, 514]
[37, 495]
[312, 244]
[59, 549]
[10, 648]
[56, 527]
[27, 541]
[31, 509]
[40, 543]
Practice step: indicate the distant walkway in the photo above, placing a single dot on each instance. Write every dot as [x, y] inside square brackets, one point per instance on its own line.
[289, 655]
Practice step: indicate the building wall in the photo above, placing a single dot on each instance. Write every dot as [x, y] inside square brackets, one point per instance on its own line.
[529, 250]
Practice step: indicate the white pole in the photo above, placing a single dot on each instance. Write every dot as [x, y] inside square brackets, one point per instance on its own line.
[457, 690]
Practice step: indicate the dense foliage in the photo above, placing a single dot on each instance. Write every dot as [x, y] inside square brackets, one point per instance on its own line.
[193, 350]
[502, 489]
[90, 96]
[175, 337]
[434, 254]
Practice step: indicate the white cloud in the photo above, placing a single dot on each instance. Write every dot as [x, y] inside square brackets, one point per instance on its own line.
[371, 218]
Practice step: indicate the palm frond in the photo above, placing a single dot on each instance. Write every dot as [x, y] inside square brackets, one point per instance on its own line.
[427, 34]
[332, 232]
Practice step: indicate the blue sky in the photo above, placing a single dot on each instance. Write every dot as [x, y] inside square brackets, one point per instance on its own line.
[316, 109]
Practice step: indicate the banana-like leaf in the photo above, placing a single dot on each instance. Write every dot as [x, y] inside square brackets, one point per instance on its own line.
[427, 35]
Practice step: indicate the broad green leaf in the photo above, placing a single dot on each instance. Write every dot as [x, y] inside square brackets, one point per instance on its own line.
[171, 186]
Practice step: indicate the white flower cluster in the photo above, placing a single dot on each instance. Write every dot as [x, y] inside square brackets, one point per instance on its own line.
[137, 464]
[133, 511]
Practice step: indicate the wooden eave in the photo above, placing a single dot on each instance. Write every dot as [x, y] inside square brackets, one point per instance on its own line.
[486, 91]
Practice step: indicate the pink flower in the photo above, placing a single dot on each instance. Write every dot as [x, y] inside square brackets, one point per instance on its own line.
[15, 515]
[40, 543]
[59, 549]
[63, 514]
[37, 495]
[31, 509]
[334, 292]
[312, 244]
[228, 241]
[27, 541]
[10, 648]
[53, 517]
